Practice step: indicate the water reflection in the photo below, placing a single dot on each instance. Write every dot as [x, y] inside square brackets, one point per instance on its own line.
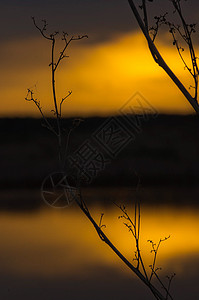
[52, 243]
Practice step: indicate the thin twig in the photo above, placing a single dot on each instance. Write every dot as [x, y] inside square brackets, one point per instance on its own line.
[30, 97]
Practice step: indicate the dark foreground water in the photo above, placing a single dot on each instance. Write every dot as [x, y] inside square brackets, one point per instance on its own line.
[56, 254]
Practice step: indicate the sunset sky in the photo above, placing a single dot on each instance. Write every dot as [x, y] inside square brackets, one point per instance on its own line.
[103, 71]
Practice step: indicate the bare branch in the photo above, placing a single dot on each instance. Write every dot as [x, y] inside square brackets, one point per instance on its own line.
[158, 22]
[43, 29]
[64, 38]
[63, 99]
[100, 222]
[145, 14]
[170, 278]
[154, 250]
[105, 239]
[30, 97]
[188, 29]
[134, 228]
[160, 61]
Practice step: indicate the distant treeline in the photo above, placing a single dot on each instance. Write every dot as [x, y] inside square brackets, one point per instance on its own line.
[160, 151]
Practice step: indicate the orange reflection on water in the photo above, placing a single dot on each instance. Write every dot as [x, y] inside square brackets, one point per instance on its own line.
[53, 242]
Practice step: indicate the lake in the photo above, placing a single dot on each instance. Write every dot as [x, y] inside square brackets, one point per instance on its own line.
[49, 253]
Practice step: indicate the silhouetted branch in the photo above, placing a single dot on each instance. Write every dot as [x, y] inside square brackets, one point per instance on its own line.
[161, 62]
[42, 29]
[63, 99]
[159, 20]
[57, 109]
[188, 30]
[134, 227]
[145, 14]
[154, 250]
[170, 278]
[105, 239]
[67, 42]
[30, 97]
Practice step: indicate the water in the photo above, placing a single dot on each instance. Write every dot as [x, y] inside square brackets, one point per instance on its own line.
[56, 254]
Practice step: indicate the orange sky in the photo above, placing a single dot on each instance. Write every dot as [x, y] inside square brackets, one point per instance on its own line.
[102, 77]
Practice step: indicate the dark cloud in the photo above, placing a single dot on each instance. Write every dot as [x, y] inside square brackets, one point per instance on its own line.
[100, 19]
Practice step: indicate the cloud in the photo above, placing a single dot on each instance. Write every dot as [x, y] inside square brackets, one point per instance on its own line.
[101, 20]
